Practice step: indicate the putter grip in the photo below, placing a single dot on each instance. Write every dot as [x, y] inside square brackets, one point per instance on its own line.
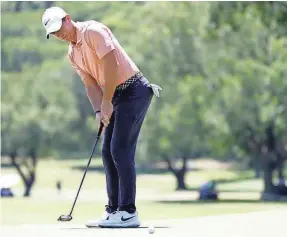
[100, 130]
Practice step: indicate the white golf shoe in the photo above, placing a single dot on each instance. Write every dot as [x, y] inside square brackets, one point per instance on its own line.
[120, 219]
[96, 223]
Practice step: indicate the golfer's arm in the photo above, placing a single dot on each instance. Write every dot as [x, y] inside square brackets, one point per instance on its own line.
[110, 72]
[93, 92]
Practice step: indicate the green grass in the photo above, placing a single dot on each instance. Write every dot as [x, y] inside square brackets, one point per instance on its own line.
[26, 211]
[157, 200]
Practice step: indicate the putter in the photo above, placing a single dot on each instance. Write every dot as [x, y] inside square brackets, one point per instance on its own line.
[69, 217]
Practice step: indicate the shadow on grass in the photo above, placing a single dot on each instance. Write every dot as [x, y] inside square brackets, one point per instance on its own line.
[225, 190]
[241, 178]
[188, 202]
[139, 171]
[154, 170]
[230, 181]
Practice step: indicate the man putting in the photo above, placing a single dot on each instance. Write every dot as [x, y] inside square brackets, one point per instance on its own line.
[120, 96]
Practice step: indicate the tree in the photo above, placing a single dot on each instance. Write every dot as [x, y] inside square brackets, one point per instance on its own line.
[176, 53]
[221, 65]
[252, 92]
[35, 118]
[180, 131]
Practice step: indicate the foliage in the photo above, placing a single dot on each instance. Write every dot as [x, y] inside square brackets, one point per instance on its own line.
[222, 66]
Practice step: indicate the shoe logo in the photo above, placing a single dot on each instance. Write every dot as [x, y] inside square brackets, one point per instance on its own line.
[126, 219]
[46, 22]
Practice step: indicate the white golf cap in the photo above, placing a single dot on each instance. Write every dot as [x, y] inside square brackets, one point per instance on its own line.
[52, 19]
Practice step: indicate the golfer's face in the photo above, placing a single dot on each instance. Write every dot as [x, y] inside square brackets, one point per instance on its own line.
[65, 31]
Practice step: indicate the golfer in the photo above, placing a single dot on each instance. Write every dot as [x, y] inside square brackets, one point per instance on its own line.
[120, 96]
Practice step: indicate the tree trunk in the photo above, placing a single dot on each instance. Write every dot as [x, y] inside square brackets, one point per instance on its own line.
[179, 173]
[32, 173]
[281, 158]
[268, 184]
[268, 168]
[280, 169]
[269, 159]
[28, 179]
[28, 186]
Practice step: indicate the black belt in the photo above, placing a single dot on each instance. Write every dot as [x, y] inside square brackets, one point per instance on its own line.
[129, 82]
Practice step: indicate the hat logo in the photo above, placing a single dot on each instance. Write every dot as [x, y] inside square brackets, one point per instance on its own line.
[46, 22]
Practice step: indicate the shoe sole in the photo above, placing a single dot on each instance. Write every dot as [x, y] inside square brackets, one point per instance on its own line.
[117, 227]
[120, 226]
[112, 226]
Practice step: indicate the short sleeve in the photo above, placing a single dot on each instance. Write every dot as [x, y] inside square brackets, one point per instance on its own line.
[99, 38]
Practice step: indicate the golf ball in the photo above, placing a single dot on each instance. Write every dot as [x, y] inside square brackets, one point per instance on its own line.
[151, 229]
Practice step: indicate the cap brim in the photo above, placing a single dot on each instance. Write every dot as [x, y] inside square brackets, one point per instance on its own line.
[55, 26]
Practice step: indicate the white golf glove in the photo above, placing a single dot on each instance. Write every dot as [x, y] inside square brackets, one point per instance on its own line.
[155, 88]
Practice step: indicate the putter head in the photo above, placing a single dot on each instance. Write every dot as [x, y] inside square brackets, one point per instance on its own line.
[65, 218]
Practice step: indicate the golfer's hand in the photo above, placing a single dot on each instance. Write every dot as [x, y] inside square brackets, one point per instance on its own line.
[98, 119]
[106, 112]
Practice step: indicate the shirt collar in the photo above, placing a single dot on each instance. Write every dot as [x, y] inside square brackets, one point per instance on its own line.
[79, 28]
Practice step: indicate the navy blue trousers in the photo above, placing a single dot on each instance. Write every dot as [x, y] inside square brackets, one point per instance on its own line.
[120, 141]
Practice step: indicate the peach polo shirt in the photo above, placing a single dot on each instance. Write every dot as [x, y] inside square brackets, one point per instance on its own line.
[94, 41]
